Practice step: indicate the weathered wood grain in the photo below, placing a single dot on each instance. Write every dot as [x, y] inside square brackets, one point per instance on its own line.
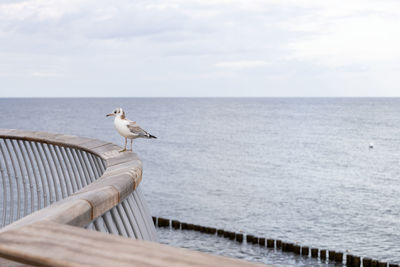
[72, 211]
[52, 244]
[122, 175]
[122, 183]
[8, 263]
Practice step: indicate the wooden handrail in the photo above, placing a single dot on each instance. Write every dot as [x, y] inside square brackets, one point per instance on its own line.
[51, 244]
[122, 176]
[48, 237]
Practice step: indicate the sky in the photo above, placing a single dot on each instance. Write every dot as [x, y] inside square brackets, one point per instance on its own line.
[178, 48]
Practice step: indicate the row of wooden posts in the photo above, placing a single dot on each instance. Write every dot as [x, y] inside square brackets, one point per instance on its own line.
[305, 251]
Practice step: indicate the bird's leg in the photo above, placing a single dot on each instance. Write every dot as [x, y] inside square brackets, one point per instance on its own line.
[131, 144]
[124, 146]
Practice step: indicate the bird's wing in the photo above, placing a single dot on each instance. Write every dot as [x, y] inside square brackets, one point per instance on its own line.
[135, 129]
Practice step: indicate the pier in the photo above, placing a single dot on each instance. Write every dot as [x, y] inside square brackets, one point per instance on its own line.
[73, 201]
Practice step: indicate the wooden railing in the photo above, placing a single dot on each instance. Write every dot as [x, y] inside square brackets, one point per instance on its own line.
[53, 183]
[84, 178]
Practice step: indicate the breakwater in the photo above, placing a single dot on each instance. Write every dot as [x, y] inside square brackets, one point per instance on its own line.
[325, 255]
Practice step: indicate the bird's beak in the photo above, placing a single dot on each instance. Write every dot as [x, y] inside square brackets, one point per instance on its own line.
[108, 115]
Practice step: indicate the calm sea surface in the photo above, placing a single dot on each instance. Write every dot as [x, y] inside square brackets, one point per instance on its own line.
[294, 169]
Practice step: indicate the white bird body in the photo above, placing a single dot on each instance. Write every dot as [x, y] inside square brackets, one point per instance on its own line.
[122, 128]
[127, 128]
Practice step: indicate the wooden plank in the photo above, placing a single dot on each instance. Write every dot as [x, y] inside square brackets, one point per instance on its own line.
[77, 212]
[71, 140]
[128, 164]
[8, 263]
[103, 150]
[10, 133]
[44, 137]
[94, 143]
[122, 157]
[133, 168]
[4, 133]
[52, 244]
[32, 135]
[50, 137]
[54, 138]
[123, 183]
[101, 199]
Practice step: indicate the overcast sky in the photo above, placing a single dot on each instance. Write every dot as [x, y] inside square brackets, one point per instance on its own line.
[199, 48]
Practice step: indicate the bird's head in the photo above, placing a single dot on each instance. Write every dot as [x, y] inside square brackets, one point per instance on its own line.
[118, 112]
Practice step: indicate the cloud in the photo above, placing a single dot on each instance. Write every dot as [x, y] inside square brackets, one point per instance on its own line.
[358, 32]
[294, 47]
[352, 40]
[42, 74]
[243, 64]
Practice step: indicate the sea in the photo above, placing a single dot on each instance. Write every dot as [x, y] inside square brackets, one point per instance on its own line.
[319, 172]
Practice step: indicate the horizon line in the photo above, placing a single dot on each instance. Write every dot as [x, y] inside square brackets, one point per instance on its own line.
[103, 97]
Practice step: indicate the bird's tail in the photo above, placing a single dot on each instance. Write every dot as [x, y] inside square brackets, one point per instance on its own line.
[152, 136]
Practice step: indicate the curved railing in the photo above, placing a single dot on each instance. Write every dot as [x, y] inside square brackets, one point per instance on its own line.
[52, 182]
[71, 180]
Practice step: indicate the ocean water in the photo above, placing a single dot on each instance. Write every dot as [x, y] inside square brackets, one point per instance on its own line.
[296, 169]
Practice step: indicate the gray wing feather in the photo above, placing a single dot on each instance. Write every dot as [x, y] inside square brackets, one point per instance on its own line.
[135, 129]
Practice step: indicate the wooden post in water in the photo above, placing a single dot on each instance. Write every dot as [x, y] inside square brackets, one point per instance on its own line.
[331, 255]
[356, 262]
[367, 262]
[232, 235]
[226, 234]
[163, 222]
[176, 224]
[323, 254]
[305, 251]
[296, 249]
[339, 257]
[314, 252]
[249, 239]
[349, 260]
[270, 243]
[239, 237]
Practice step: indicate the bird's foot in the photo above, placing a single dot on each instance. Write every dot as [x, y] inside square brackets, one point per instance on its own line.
[129, 150]
[123, 150]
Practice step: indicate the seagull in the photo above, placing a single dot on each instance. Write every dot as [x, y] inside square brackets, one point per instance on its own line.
[127, 128]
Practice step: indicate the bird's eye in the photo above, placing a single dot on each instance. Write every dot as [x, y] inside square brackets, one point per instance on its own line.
[115, 111]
